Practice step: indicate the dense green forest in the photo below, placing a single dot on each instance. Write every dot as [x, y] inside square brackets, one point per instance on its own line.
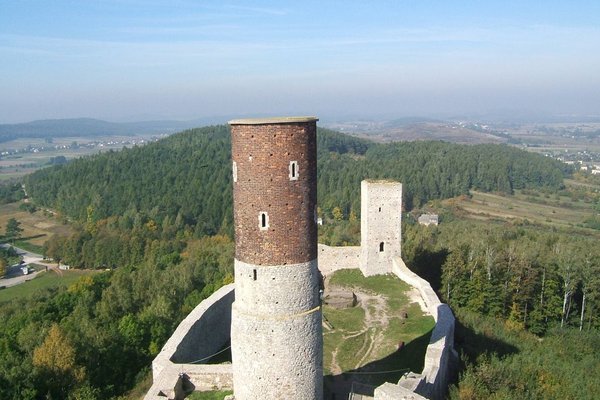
[527, 301]
[499, 362]
[10, 192]
[189, 174]
[96, 339]
[158, 218]
[186, 175]
[531, 277]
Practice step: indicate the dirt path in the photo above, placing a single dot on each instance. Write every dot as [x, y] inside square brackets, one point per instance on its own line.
[335, 367]
[375, 323]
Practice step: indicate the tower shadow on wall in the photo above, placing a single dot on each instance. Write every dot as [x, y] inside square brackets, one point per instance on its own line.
[364, 380]
[428, 265]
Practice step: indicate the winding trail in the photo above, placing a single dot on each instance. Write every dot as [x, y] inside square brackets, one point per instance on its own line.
[375, 323]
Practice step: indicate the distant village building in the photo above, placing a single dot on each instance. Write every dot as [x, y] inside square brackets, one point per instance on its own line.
[596, 172]
[320, 220]
[429, 219]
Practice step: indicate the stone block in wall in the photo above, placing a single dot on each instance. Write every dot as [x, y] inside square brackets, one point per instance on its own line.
[389, 391]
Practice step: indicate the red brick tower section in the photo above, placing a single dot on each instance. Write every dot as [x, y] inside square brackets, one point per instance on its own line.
[276, 326]
[276, 163]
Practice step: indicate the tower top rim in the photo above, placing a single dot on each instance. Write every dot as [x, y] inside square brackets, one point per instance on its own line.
[381, 182]
[272, 120]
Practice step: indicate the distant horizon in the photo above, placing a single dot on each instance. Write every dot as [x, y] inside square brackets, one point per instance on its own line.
[127, 61]
[223, 119]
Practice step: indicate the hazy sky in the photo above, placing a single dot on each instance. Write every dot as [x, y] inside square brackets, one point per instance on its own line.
[145, 59]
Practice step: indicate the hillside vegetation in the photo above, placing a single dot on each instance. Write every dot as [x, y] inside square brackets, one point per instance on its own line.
[159, 217]
[95, 338]
[186, 174]
[189, 174]
[501, 363]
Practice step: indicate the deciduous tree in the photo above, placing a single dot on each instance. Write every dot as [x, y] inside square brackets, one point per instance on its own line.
[13, 229]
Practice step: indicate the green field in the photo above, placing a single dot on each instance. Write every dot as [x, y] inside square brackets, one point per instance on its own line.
[363, 342]
[45, 280]
[551, 210]
[23, 163]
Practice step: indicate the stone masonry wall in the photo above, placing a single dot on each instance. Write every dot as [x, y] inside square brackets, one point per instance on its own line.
[432, 382]
[380, 225]
[389, 391]
[202, 333]
[333, 258]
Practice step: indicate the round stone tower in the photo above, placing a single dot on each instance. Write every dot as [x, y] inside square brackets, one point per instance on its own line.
[276, 333]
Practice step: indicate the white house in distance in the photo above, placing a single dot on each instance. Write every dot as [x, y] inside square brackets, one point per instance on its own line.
[428, 219]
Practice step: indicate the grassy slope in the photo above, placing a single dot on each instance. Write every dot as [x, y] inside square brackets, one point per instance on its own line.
[551, 211]
[216, 395]
[37, 226]
[351, 337]
[45, 280]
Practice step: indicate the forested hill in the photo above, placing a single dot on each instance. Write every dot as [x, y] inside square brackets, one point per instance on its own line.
[430, 170]
[188, 176]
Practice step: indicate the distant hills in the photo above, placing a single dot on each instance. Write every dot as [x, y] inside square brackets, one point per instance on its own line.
[399, 129]
[89, 127]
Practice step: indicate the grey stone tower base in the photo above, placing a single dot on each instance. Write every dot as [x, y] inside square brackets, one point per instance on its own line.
[277, 346]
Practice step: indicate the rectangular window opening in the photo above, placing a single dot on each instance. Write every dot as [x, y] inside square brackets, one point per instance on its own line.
[293, 170]
[263, 221]
[381, 247]
[254, 274]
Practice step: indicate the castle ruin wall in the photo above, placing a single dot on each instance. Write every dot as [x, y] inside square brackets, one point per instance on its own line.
[204, 332]
[332, 259]
[432, 382]
[389, 391]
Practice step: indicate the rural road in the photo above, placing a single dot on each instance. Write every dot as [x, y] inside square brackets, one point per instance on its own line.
[14, 275]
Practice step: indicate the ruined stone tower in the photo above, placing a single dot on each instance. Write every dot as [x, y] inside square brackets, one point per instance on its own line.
[380, 225]
[276, 333]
